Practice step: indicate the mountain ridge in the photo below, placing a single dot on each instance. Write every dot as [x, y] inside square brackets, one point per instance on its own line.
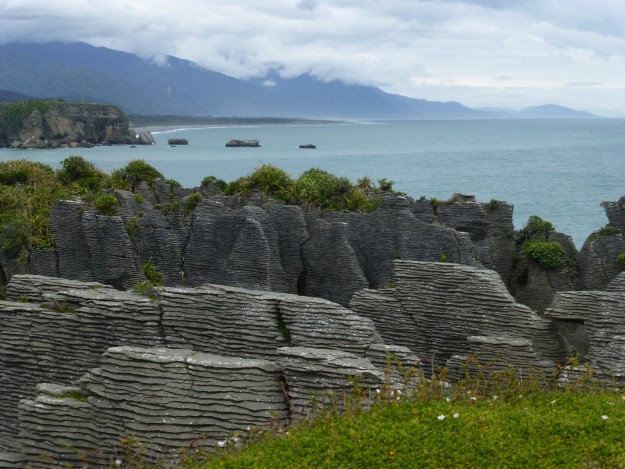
[80, 72]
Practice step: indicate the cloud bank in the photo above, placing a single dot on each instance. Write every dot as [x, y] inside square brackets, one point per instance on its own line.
[508, 53]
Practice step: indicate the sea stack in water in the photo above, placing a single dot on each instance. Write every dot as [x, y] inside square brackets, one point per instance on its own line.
[178, 141]
[243, 143]
[308, 145]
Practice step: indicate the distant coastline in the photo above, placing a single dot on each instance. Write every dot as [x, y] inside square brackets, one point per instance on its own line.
[171, 123]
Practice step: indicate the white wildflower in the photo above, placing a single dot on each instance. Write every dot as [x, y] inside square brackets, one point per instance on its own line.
[495, 398]
[604, 417]
[441, 417]
[474, 398]
[456, 415]
[221, 443]
[448, 400]
[554, 401]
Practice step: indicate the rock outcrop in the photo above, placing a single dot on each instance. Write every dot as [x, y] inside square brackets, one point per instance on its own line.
[593, 326]
[215, 360]
[42, 124]
[242, 143]
[259, 243]
[167, 398]
[263, 245]
[438, 309]
[192, 342]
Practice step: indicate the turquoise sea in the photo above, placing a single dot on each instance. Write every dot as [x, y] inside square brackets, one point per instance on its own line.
[560, 170]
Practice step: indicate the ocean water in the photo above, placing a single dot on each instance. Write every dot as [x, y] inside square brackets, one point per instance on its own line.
[560, 170]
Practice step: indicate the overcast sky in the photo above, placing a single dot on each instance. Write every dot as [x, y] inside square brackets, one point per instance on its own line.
[503, 53]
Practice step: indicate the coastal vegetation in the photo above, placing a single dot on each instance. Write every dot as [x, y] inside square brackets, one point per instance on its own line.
[29, 189]
[607, 230]
[313, 188]
[12, 115]
[550, 254]
[538, 248]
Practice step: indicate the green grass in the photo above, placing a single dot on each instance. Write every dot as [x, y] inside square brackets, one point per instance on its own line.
[565, 428]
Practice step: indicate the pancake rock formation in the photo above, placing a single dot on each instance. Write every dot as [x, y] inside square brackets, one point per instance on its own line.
[83, 365]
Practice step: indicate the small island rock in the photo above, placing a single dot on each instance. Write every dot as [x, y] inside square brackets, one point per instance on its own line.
[242, 143]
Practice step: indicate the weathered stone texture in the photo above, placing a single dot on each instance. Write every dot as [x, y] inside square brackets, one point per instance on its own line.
[316, 376]
[450, 302]
[226, 247]
[165, 398]
[598, 260]
[260, 244]
[394, 324]
[598, 328]
[615, 211]
[292, 233]
[222, 320]
[70, 240]
[487, 353]
[617, 284]
[58, 342]
[113, 259]
[332, 268]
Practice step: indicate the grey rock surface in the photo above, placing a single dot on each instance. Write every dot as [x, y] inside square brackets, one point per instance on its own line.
[452, 302]
[617, 284]
[63, 338]
[488, 351]
[164, 397]
[597, 321]
[320, 376]
[598, 260]
[70, 239]
[615, 211]
[258, 243]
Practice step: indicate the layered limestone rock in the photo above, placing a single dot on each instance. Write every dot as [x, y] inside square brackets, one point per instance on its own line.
[534, 284]
[34, 288]
[439, 306]
[61, 339]
[254, 324]
[594, 327]
[615, 211]
[317, 376]
[617, 284]
[64, 337]
[599, 260]
[261, 245]
[165, 398]
[214, 360]
[519, 354]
